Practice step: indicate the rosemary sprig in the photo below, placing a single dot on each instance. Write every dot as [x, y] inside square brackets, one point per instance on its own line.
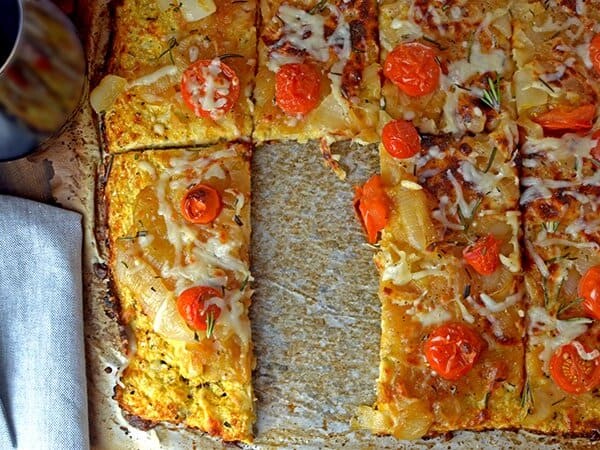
[546, 84]
[491, 160]
[545, 292]
[229, 55]
[432, 41]
[244, 283]
[171, 44]
[318, 7]
[467, 221]
[526, 395]
[486, 399]
[139, 234]
[467, 291]
[563, 307]
[551, 226]
[210, 323]
[491, 95]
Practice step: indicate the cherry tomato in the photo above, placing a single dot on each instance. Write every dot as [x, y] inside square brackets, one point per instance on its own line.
[297, 88]
[483, 255]
[571, 372]
[594, 52]
[201, 204]
[413, 68]
[589, 290]
[580, 118]
[191, 304]
[400, 139]
[372, 206]
[452, 350]
[210, 88]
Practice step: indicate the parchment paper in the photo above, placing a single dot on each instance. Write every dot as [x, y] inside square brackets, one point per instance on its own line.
[315, 316]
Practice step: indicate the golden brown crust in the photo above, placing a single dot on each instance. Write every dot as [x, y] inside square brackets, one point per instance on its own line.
[174, 375]
[147, 41]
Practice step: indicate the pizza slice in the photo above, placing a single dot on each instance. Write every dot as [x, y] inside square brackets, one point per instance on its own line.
[318, 74]
[447, 65]
[180, 74]
[557, 90]
[179, 230]
[450, 285]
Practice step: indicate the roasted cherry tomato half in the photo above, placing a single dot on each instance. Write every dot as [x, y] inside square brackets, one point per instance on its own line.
[297, 88]
[483, 255]
[372, 206]
[413, 68]
[210, 88]
[589, 290]
[192, 306]
[201, 204]
[452, 350]
[400, 139]
[580, 118]
[571, 372]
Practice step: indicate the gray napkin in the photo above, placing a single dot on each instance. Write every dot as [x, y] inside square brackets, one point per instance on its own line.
[42, 359]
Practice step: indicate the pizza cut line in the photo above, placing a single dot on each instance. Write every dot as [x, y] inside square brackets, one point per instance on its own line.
[484, 214]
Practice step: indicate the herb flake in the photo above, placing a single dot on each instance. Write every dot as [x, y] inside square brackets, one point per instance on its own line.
[491, 95]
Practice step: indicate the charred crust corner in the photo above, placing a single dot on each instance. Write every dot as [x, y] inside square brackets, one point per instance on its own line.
[138, 422]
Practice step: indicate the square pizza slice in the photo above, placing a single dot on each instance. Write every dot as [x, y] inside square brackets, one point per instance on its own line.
[557, 88]
[179, 230]
[452, 344]
[562, 274]
[318, 73]
[447, 65]
[556, 48]
[180, 74]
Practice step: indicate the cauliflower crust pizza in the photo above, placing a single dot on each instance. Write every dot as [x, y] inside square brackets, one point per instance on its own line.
[179, 230]
[485, 215]
[179, 74]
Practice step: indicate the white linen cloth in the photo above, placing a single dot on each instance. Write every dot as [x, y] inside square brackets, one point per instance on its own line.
[42, 359]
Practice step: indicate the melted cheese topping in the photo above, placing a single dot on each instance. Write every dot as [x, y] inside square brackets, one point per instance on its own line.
[306, 32]
[197, 260]
[551, 332]
[211, 94]
[153, 77]
[399, 271]
[459, 72]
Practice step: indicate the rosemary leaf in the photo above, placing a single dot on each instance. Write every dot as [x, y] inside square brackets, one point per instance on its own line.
[491, 160]
[318, 7]
[491, 95]
[210, 323]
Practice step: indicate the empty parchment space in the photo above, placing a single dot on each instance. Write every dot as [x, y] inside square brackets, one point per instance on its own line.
[315, 315]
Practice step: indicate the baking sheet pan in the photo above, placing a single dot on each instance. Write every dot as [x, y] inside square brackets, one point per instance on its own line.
[315, 313]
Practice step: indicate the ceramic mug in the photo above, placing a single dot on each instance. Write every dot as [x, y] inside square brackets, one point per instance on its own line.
[42, 74]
